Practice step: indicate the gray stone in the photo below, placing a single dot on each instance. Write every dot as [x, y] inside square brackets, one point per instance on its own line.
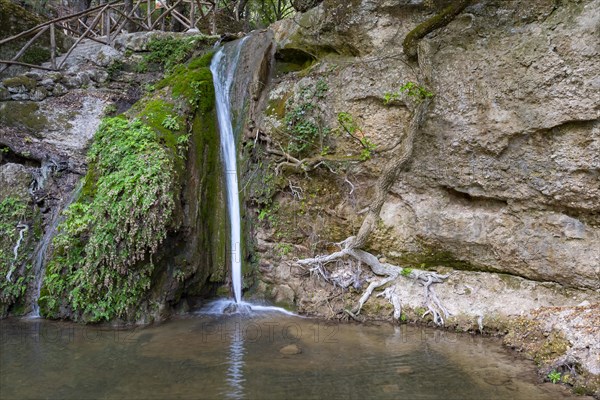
[37, 75]
[39, 94]
[20, 97]
[14, 181]
[504, 174]
[72, 81]
[47, 83]
[99, 75]
[4, 93]
[59, 90]
[283, 294]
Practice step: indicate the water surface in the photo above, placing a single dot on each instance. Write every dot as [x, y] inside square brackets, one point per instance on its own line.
[210, 356]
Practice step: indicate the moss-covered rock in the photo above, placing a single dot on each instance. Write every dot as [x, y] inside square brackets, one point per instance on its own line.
[22, 114]
[19, 231]
[145, 229]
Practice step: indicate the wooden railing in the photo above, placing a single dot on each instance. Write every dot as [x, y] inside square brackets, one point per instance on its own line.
[107, 21]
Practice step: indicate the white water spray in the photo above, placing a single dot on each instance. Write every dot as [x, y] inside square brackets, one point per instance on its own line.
[223, 67]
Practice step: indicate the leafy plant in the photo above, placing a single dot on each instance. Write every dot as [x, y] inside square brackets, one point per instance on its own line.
[554, 376]
[283, 248]
[303, 130]
[110, 109]
[411, 89]
[170, 122]
[13, 211]
[169, 51]
[321, 89]
[302, 120]
[142, 67]
[183, 144]
[100, 263]
[406, 272]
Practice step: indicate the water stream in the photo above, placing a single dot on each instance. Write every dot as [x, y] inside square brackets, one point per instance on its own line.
[223, 68]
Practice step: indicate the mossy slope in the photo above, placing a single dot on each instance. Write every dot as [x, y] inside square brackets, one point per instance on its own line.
[133, 242]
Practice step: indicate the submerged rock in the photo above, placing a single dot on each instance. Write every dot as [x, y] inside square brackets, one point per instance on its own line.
[290, 350]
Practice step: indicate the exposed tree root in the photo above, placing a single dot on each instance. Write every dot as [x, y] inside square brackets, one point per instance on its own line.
[23, 228]
[389, 273]
[351, 247]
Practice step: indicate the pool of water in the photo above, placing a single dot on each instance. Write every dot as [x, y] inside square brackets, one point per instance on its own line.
[252, 356]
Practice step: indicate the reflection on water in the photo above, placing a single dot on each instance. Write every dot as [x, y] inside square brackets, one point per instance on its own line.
[248, 357]
[235, 372]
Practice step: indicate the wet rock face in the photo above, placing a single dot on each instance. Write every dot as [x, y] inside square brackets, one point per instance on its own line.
[505, 174]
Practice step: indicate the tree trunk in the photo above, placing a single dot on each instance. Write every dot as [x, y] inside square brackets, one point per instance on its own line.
[438, 21]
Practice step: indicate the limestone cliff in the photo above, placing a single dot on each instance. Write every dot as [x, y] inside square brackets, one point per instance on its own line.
[502, 190]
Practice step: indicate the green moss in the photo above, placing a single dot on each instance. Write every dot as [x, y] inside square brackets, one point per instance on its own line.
[22, 114]
[511, 282]
[430, 257]
[100, 264]
[36, 55]
[18, 81]
[276, 107]
[171, 51]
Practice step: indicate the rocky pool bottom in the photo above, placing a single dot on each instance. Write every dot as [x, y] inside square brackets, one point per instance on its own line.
[262, 355]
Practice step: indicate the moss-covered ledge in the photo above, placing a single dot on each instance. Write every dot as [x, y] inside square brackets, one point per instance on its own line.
[114, 254]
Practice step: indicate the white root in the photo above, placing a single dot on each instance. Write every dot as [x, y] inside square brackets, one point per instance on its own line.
[351, 247]
[23, 228]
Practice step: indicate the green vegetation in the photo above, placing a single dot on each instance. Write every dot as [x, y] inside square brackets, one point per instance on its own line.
[411, 89]
[284, 249]
[14, 211]
[554, 376]
[169, 51]
[170, 122]
[36, 55]
[349, 125]
[102, 263]
[114, 68]
[406, 272]
[98, 263]
[302, 121]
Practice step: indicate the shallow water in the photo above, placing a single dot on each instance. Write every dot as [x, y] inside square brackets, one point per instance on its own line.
[209, 356]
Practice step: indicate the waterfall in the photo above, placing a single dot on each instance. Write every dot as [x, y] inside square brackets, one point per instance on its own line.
[42, 248]
[223, 67]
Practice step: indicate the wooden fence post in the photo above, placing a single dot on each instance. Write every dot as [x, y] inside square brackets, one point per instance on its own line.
[52, 46]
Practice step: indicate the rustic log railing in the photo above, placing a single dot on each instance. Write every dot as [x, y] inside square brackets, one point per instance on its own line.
[107, 21]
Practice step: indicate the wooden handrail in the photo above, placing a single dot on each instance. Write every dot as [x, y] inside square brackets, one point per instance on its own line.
[29, 43]
[110, 28]
[26, 65]
[164, 14]
[92, 25]
[65, 18]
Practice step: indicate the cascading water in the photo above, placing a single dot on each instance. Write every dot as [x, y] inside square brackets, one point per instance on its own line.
[223, 67]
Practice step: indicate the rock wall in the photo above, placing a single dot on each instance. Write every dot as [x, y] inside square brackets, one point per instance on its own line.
[504, 181]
